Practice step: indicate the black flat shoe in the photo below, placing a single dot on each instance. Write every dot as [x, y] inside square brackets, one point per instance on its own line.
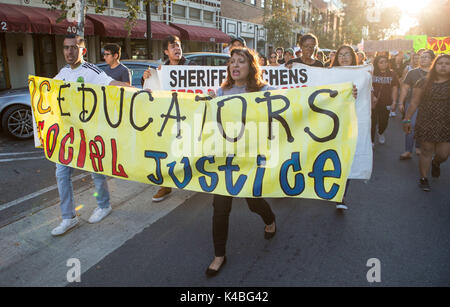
[211, 273]
[270, 235]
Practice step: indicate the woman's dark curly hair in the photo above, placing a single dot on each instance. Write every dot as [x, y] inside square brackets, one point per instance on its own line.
[254, 79]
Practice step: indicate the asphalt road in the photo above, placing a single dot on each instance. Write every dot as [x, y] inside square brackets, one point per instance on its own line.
[389, 218]
[27, 179]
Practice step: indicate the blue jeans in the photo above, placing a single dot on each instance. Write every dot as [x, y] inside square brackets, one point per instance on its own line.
[65, 189]
[409, 138]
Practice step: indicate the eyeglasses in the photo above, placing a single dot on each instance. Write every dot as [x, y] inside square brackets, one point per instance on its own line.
[72, 48]
[308, 46]
[273, 56]
[342, 55]
[106, 53]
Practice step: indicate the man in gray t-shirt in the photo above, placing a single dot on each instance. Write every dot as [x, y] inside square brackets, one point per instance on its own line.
[115, 70]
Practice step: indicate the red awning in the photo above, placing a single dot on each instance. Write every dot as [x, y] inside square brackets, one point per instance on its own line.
[27, 19]
[115, 27]
[201, 34]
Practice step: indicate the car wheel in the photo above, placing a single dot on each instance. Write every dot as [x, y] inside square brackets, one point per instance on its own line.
[17, 122]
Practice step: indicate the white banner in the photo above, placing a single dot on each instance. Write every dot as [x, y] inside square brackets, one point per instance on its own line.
[200, 79]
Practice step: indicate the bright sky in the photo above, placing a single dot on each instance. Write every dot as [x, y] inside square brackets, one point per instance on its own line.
[410, 10]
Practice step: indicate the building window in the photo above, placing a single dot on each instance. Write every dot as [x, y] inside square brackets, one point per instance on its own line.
[179, 10]
[253, 2]
[153, 8]
[262, 3]
[194, 13]
[208, 16]
[117, 4]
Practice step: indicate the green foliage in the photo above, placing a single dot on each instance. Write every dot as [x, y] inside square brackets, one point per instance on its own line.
[355, 20]
[132, 7]
[278, 20]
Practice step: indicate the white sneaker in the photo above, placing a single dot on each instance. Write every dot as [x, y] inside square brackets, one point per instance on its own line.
[341, 206]
[381, 139]
[99, 214]
[392, 114]
[65, 225]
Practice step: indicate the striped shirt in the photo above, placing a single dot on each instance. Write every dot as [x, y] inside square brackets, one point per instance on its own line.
[85, 73]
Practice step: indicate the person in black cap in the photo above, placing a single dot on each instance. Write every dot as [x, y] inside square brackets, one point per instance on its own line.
[237, 42]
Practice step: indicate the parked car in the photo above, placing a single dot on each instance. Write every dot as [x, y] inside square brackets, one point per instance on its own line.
[137, 68]
[15, 113]
[208, 58]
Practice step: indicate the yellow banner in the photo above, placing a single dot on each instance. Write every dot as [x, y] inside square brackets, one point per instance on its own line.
[283, 143]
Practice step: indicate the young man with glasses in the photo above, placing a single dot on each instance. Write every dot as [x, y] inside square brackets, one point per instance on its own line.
[115, 70]
[77, 70]
[174, 52]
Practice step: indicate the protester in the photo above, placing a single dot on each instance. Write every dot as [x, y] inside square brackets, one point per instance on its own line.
[115, 69]
[237, 42]
[273, 59]
[397, 64]
[280, 54]
[385, 90]
[426, 58]
[308, 44]
[320, 56]
[413, 64]
[263, 61]
[361, 57]
[243, 76]
[77, 70]
[432, 97]
[174, 52]
[288, 55]
[345, 56]
[331, 59]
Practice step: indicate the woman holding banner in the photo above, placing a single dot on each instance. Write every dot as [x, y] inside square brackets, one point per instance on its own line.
[309, 45]
[432, 97]
[243, 76]
[345, 56]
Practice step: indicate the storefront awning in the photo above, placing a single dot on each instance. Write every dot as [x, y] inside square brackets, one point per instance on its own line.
[27, 19]
[201, 34]
[111, 26]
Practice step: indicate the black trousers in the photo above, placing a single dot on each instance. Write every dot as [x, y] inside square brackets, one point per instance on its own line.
[380, 117]
[222, 209]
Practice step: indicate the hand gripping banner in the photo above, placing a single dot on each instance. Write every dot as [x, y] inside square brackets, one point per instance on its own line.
[282, 143]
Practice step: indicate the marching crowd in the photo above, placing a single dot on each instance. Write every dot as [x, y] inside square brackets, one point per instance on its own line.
[418, 84]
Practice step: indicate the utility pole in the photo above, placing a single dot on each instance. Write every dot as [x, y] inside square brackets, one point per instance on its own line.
[76, 13]
[149, 29]
[81, 17]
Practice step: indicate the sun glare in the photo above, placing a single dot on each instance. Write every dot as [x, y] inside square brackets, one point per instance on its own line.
[412, 7]
[410, 10]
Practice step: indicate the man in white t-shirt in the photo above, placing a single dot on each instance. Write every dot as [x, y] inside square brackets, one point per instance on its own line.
[78, 70]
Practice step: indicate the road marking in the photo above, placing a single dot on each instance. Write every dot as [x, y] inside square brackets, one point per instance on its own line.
[19, 153]
[19, 159]
[37, 193]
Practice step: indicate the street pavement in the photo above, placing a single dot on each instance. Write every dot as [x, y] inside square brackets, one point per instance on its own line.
[170, 243]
